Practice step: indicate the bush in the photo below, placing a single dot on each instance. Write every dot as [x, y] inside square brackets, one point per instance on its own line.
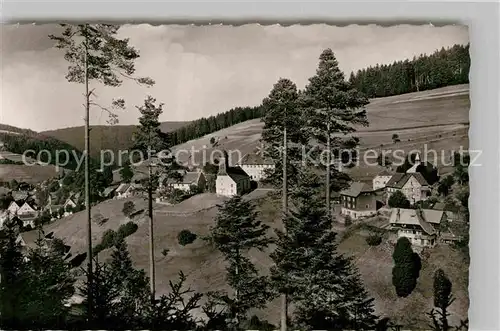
[407, 266]
[164, 252]
[108, 238]
[186, 237]
[347, 220]
[374, 240]
[127, 229]
[128, 208]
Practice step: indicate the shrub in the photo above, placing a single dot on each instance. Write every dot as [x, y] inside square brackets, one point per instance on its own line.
[128, 208]
[347, 220]
[186, 237]
[164, 252]
[127, 229]
[374, 240]
[108, 238]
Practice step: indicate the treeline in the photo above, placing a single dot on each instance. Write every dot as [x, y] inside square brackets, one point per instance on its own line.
[444, 67]
[22, 143]
[207, 125]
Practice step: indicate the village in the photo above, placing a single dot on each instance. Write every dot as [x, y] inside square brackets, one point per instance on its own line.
[418, 211]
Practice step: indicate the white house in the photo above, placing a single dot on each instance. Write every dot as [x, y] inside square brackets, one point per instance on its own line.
[188, 179]
[412, 185]
[381, 180]
[125, 190]
[255, 165]
[13, 208]
[420, 226]
[69, 205]
[26, 208]
[231, 181]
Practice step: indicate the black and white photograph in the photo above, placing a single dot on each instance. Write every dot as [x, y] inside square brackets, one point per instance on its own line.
[234, 177]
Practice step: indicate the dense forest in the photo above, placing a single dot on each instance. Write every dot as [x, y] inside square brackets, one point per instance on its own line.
[442, 68]
[20, 143]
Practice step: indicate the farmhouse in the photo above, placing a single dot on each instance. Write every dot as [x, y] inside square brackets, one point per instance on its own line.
[255, 165]
[126, 190]
[381, 180]
[231, 181]
[412, 185]
[188, 180]
[420, 226]
[109, 191]
[359, 200]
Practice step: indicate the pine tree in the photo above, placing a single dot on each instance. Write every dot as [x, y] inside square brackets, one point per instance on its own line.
[126, 172]
[13, 278]
[333, 106]
[282, 110]
[153, 144]
[50, 284]
[442, 301]
[322, 284]
[95, 54]
[406, 268]
[236, 232]
[103, 293]
[133, 287]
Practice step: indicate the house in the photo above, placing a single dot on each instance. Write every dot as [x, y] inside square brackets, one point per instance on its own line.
[359, 200]
[413, 185]
[231, 181]
[189, 179]
[13, 208]
[20, 196]
[255, 165]
[452, 213]
[126, 190]
[420, 226]
[381, 180]
[27, 208]
[69, 206]
[109, 191]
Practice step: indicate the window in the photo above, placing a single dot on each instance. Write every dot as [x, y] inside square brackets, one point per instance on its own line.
[367, 206]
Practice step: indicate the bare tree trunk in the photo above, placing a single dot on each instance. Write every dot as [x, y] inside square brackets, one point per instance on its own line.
[328, 161]
[284, 299]
[87, 183]
[151, 240]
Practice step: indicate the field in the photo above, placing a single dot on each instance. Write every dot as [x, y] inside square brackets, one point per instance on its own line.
[204, 267]
[424, 121]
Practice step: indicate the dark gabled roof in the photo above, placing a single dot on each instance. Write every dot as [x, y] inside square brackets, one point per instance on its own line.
[421, 218]
[356, 189]
[108, 190]
[398, 180]
[385, 172]
[19, 195]
[122, 188]
[236, 173]
[254, 159]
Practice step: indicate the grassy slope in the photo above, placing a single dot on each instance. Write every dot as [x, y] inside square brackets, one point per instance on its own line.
[205, 267]
[438, 117]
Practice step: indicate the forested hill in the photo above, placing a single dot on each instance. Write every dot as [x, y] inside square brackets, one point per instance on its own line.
[442, 68]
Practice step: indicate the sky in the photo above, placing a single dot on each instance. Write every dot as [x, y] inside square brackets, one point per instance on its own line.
[199, 70]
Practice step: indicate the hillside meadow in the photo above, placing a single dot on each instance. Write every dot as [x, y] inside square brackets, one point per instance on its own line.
[205, 268]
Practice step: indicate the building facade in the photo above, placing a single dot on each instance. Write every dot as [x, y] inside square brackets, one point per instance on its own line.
[412, 185]
[359, 200]
[231, 181]
[255, 166]
[420, 226]
[381, 180]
